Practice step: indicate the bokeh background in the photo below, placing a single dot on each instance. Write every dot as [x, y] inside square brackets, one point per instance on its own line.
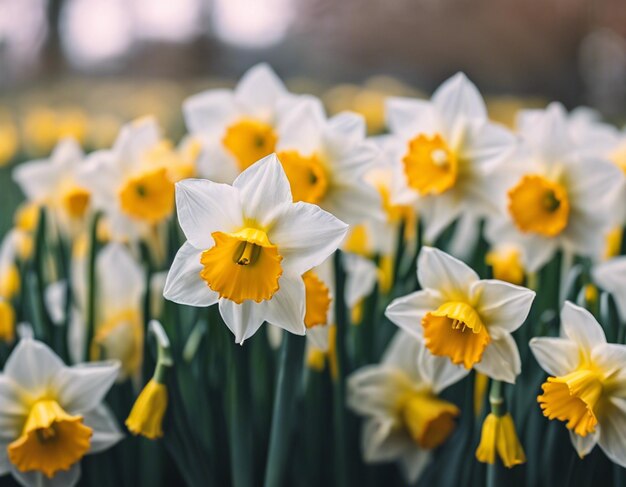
[83, 67]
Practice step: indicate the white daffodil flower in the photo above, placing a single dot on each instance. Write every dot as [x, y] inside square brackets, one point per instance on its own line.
[52, 415]
[460, 316]
[247, 247]
[404, 417]
[130, 183]
[54, 183]
[557, 197]
[326, 161]
[611, 276]
[119, 327]
[445, 151]
[237, 127]
[587, 383]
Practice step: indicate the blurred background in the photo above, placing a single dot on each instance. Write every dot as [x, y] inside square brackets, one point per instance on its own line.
[83, 67]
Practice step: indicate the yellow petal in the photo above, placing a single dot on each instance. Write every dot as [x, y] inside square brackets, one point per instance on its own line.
[430, 166]
[146, 416]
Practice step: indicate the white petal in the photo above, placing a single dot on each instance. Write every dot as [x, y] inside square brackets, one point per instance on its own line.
[5, 463]
[501, 360]
[32, 365]
[121, 280]
[438, 372]
[457, 99]
[287, 307]
[13, 409]
[54, 297]
[305, 236]
[63, 478]
[610, 358]
[37, 179]
[317, 336]
[260, 89]
[301, 127]
[375, 390]
[439, 212]
[134, 139]
[414, 462]
[591, 183]
[580, 326]
[81, 388]
[183, 284]
[106, 430]
[361, 277]
[486, 144]
[442, 272]
[263, 188]
[557, 356]
[217, 163]
[611, 276]
[209, 111]
[244, 319]
[503, 307]
[205, 207]
[403, 113]
[354, 203]
[383, 440]
[407, 312]
[547, 135]
[584, 445]
[350, 124]
[402, 353]
[613, 431]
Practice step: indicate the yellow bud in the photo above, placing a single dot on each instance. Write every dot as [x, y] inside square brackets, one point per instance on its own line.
[7, 321]
[613, 243]
[10, 282]
[146, 417]
[356, 313]
[498, 436]
[506, 264]
[316, 359]
[27, 217]
[591, 294]
[385, 273]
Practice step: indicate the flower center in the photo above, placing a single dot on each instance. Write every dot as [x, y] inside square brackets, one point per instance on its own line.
[121, 337]
[455, 330]
[539, 205]
[573, 398]
[242, 265]
[75, 200]
[249, 140]
[428, 419]
[148, 196]
[51, 440]
[306, 174]
[317, 300]
[430, 166]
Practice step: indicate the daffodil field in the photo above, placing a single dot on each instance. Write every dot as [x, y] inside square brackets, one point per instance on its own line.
[285, 297]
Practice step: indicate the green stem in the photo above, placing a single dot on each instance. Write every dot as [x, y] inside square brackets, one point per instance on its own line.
[498, 407]
[91, 285]
[339, 407]
[289, 375]
[42, 323]
[240, 420]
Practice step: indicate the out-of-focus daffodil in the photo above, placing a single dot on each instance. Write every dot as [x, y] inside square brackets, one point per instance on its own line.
[459, 316]
[506, 262]
[405, 418]
[248, 247]
[445, 152]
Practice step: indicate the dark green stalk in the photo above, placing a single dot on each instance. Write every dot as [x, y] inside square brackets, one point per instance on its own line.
[42, 323]
[91, 284]
[289, 375]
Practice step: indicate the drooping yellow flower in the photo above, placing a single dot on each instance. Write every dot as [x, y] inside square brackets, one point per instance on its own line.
[498, 436]
[7, 321]
[428, 419]
[507, 264]
[146, 416]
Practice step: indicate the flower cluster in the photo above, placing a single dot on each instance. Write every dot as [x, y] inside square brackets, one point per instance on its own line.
[424, 265]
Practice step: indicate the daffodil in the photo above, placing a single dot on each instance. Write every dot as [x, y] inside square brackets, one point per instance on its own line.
[53, 183]
[52, 415]
[237, 127]
[131, 184]
[326, 161]
[498, 437]
[459, 316]
[405, 419]
[586, 385]
[248, 246]
[506, 263]
[557, 196]
[445, 151]
[119, 326]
